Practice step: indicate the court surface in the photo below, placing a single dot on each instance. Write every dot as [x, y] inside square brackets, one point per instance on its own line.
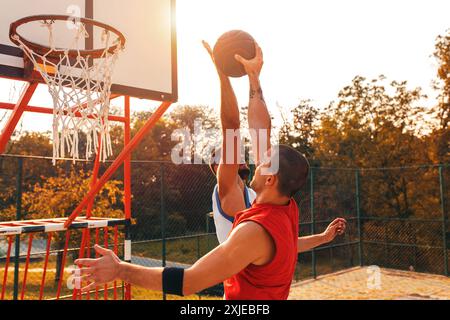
[360, 284]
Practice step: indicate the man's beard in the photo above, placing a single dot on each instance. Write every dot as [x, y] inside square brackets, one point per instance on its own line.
[244, 173]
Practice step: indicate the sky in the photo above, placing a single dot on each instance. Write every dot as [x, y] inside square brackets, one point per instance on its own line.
[312, 49]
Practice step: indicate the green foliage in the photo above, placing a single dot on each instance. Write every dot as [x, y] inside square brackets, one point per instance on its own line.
[58, 196]
[301, 133]
[442, 55]
[440, 138]
[31, 144]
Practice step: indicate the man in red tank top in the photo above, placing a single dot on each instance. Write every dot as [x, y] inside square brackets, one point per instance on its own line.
[258, 259]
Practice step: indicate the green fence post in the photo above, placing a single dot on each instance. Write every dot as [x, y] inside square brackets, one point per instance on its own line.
[313, 223]
[18, 218]
[163, 219]
[358, 214]
[444, 219]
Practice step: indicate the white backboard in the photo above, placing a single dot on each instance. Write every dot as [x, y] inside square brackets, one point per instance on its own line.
[147, 68]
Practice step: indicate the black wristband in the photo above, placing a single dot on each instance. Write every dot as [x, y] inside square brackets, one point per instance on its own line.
[172, 281]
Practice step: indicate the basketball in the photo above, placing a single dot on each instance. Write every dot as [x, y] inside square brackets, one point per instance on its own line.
[232, 43]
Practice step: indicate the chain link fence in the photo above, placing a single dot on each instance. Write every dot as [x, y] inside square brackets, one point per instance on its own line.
[397, 217]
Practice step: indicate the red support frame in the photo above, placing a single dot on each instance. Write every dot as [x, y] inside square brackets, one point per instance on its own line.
[18, 110]
[34, 109]
[127, 186]
[96, 183]
[127, 164]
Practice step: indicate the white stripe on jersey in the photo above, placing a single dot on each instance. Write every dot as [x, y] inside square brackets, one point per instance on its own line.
[222, 221]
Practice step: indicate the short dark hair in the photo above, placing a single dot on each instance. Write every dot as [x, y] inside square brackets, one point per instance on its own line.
[293, 170]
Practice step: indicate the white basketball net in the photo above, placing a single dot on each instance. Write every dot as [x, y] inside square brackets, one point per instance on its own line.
[81, 90]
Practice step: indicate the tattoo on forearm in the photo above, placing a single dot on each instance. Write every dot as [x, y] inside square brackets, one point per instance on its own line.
[253, 93]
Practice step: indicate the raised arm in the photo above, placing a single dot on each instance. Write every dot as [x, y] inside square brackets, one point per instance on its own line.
[259, 120]
[248, 244]
[230, 192]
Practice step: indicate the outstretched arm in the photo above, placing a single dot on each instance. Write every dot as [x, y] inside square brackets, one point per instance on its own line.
[230, 193]
[249, 243]
[259, 120]
[337, 227]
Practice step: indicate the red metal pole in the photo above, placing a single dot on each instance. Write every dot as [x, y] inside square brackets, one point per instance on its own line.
[116, 251]
[27, 264]
[80, 256]
[118, 162]
[34, 109]
[47, 254]
[63, 263]
[127, 189]
[127, 164]
[5, 276]
[105, 239]
[18, 110]
[97, 239]
[88, 255]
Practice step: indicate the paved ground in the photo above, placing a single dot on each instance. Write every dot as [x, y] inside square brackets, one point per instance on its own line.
[368, 283]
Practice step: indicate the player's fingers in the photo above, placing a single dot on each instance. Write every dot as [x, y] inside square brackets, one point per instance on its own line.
[100, 250]
[333, 229]
[339, 221]
[207, 47]
[85, 262]
[334, 222]
[84, 271]
[240, 59]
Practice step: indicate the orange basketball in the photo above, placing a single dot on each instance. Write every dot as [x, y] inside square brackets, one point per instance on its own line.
[232, 43]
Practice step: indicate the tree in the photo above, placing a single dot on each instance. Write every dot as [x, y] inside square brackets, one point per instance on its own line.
[372, 125]
[58, 196]
[34, 170]
[300, 133]
[440, 137]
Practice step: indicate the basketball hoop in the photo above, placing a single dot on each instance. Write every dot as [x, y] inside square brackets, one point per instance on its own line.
[79, 81]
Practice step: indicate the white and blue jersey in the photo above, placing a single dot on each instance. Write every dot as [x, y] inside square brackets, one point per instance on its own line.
[222, 221]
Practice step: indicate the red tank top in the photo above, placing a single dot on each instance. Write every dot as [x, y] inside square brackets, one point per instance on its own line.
[273, 280]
